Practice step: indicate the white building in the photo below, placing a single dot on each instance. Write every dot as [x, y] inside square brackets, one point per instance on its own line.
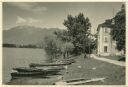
[105, 45]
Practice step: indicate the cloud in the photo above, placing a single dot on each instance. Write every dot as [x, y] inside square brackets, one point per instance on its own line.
[39, 9]
[26, 21]
[29, 6]
[31, 20]
[20, 20]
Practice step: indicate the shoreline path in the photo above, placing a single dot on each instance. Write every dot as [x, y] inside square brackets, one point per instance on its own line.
[108, 60]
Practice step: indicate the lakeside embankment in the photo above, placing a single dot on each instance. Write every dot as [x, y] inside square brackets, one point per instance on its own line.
[86, 68]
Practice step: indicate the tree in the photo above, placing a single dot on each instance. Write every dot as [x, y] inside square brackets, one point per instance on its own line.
[78, 28]
[118, 29]
[63, 35]
[67, 49]
[52, 47]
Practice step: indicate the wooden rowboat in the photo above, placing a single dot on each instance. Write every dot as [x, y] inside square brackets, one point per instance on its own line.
[49, 64]
[26, 71]
[26, 74]
[43, 69]
[63, 63]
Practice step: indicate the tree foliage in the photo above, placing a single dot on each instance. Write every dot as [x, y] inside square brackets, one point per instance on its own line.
[78, 29]
[119, 29]
[76, 39]
[52, 47]
[67, 49]
[63, 35]
[56, 48]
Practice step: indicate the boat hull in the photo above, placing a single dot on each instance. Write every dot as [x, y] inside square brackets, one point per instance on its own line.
[44, 73]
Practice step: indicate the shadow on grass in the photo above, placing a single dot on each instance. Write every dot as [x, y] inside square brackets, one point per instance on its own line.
[122, 59]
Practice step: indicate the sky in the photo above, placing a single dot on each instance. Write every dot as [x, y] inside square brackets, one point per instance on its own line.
[53, 14]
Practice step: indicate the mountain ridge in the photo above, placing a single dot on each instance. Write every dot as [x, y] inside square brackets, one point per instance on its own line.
[26, 35]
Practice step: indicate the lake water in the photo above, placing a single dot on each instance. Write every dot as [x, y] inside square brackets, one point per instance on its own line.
[20, 57]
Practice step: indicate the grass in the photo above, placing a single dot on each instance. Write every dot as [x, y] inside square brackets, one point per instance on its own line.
[90, 68]
[115, 75]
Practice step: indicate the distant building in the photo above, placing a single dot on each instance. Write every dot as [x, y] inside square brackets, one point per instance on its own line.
[105, 44]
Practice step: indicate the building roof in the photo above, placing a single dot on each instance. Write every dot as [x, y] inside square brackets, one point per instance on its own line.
[107, 23]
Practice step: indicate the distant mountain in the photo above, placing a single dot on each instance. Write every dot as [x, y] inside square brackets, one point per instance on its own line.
[26, 35]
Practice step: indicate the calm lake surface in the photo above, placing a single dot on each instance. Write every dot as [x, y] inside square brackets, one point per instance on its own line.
[20, 57]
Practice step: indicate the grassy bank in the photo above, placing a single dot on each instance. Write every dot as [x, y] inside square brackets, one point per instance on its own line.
[83, 68]
[91, 68]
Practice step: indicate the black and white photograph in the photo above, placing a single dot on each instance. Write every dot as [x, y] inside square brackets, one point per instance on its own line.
[63, 43]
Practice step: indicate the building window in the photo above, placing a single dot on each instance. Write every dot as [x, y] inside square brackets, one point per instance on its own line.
[105, 49]
[105, 39]
[105, 30]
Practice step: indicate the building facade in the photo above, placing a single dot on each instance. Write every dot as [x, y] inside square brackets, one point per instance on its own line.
[105, 45]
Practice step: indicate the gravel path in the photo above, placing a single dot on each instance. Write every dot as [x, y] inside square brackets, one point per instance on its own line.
[120, 63]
